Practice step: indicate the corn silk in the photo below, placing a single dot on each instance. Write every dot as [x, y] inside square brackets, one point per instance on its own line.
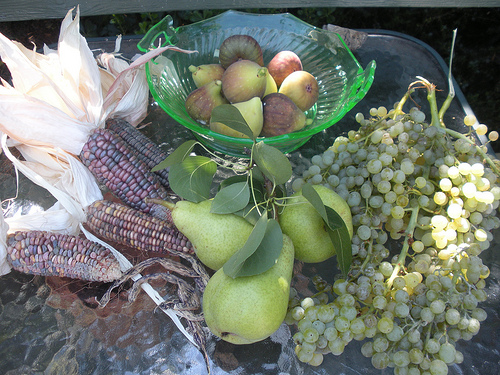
[57, 98]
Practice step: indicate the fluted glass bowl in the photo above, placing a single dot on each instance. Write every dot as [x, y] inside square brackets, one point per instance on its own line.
[341, 79]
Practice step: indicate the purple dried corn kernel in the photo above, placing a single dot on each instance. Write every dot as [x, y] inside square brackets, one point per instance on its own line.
[145, 148]
[52, 254]
[116, 222]
[115, 165]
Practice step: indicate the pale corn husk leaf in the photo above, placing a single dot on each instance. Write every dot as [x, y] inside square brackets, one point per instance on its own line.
[31, 121]
[127, 97]
[55, 219]
[67, 79]
[74, 208]
[78, 65]
[63, 171]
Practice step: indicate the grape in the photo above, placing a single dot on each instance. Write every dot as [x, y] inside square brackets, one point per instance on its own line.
[385, 325]
[423, 203]
[401, 358]
[316, 360]
[311, 335]
[380, 360]
[336, 346]
[438, 367]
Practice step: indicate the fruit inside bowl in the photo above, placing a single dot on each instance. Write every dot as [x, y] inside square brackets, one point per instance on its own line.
[341, 81]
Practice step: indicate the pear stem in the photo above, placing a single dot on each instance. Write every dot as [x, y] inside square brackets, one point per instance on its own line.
[169, 205]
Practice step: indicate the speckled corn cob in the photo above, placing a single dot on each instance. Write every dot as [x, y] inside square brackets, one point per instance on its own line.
[116, 166]
[124, 225]
[51, 254]
[145, 149]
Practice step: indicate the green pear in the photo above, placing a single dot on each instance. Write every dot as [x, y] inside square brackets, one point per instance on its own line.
[215, 237]
[251, 110]
[306, 228]
[248, 309]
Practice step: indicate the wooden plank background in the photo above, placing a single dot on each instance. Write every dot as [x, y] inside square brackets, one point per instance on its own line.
[20, 10]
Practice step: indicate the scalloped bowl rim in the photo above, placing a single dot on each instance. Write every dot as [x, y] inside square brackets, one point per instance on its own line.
[300, 136]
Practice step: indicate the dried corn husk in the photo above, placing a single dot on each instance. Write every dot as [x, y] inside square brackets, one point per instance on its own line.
[55, 101]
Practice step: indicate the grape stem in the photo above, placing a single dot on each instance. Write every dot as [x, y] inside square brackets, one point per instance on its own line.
[437, 119]
[406, 246]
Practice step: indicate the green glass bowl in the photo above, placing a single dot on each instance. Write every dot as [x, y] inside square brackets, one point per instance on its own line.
[342, 81]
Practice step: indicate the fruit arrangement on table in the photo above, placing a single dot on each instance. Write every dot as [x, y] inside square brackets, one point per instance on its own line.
[403, 203]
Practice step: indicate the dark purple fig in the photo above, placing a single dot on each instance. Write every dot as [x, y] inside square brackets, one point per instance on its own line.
[240, 47]
[281, 115]
[201, 101]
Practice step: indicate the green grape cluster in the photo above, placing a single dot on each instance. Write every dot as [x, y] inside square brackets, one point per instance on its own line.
[429, 192]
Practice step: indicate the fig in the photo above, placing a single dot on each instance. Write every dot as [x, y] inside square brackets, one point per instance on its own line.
[243, 80]
[240, 47]
[251, 110]
[302, 88]
[201, 101]
[281, 115]
[283, 64]
[205, 73]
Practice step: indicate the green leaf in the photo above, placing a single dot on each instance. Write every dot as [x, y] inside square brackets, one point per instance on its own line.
[231, 198]
[192, 178]
[259, 253]
[232, 180]
[231, 116]
[233, 266]
[272, 163]
[341, 240]
[267, 253]
[249, 213]
[176, 157]
[313, 197]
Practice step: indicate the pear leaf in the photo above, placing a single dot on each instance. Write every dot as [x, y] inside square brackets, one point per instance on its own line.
[272, 163]
[259, 253]
[233, 266]
[177, 156]
[231, 116]
[231, 198]
[341, 240]
[267, 253]
[232, 180]
[313, 197]
[249, 213]
[192, 178]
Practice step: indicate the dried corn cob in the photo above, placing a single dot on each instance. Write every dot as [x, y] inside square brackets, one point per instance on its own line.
[124, 225]
[145, 149]
[117, 167]
[51, 254]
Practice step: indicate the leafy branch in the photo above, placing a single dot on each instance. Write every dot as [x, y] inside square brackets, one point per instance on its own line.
[256, 192]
